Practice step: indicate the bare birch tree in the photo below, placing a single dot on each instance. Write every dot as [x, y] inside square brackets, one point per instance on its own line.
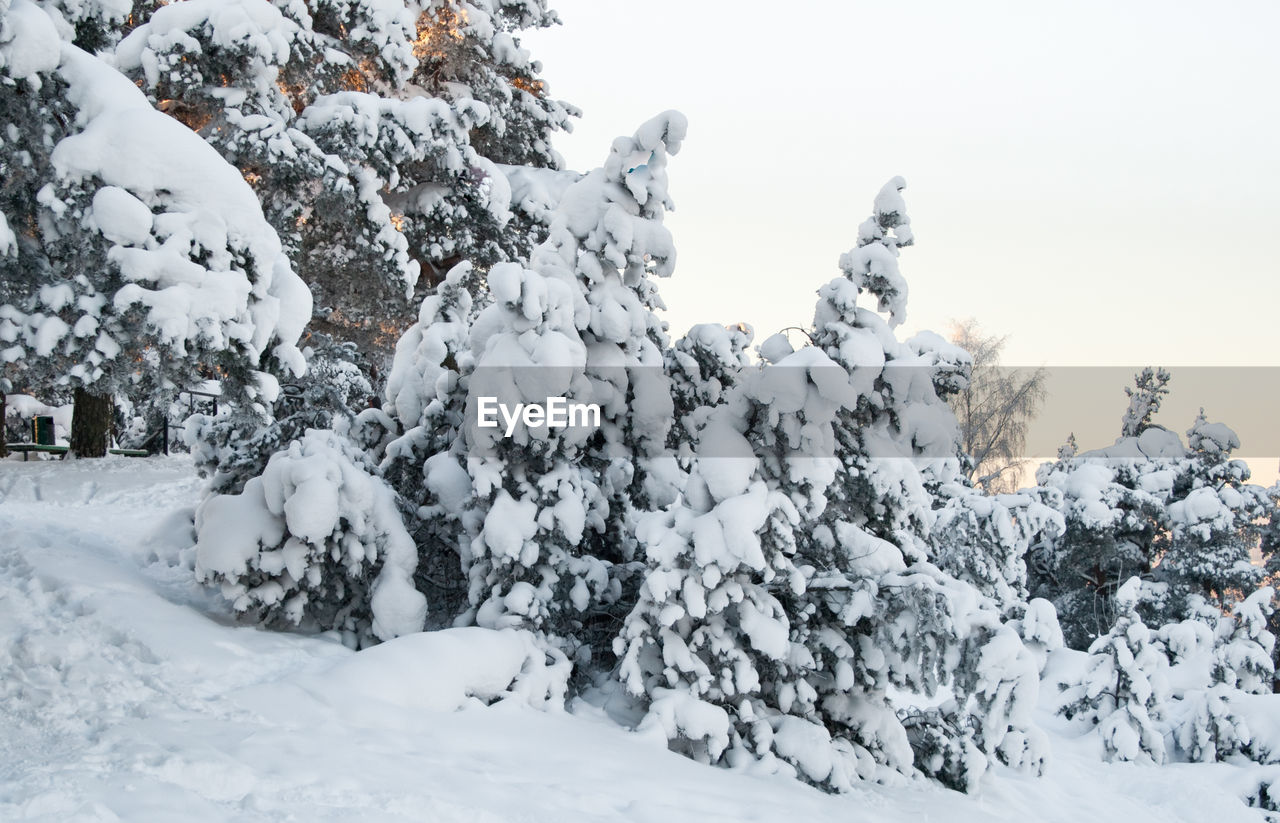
[995, 410]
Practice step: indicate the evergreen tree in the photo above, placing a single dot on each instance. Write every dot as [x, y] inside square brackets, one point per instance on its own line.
[1150, 387]
[111, 274]
[356, 131]
[1215, 523]
[578, 323]
[1243, 660]
[532, 498]
[1116, 522]
[702, 367]
[876, 538]
[789, 589]
[709, 648]
[1124, 689]
[1212, 726]
[1182, 517]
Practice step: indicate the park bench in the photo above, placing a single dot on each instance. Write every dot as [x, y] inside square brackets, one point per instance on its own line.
[28, 448]
[42, 441]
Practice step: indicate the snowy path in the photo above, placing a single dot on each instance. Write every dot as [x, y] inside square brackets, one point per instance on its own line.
[128, 693]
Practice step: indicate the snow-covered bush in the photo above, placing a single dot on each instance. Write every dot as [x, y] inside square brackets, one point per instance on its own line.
[1209, 729]
[1123, 691]
[316, 541]
[235, 445]
[1037, 625]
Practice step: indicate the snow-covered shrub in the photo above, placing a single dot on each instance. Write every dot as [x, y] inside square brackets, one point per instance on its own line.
[1209, 729]
[235, 445]
[998, 680]
[1037, 625]
[315, 541]
[942, 742]
[1124, 690]
[446, 670]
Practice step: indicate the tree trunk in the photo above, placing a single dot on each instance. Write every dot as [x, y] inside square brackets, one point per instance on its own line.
[91, 424]
[4, 429]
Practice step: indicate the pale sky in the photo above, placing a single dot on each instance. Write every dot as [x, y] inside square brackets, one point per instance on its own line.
[1098, 180]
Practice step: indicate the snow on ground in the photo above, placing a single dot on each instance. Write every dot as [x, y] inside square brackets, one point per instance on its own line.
[127, 692]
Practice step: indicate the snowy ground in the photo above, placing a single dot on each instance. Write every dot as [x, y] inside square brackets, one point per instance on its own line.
[128, 693]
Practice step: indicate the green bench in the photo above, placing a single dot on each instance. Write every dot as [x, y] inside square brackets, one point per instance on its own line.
[28, 448]
[42, 435]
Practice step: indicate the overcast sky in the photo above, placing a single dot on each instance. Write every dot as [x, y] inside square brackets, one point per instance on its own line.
[1099, 180]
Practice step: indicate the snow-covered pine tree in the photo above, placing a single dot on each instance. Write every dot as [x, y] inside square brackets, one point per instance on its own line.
[883, 615]
[1182, 517]
[1214, 523]
[1123, 690]
[1243, 659]
[531, 498]
[589, 286]
[1212, 727]
[890, 505]
[702, 366]
[1116, 523]
[369, 176]
[1150, 387]
[709, 647]
[854, 607]
[425, 461]
[106, 272]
